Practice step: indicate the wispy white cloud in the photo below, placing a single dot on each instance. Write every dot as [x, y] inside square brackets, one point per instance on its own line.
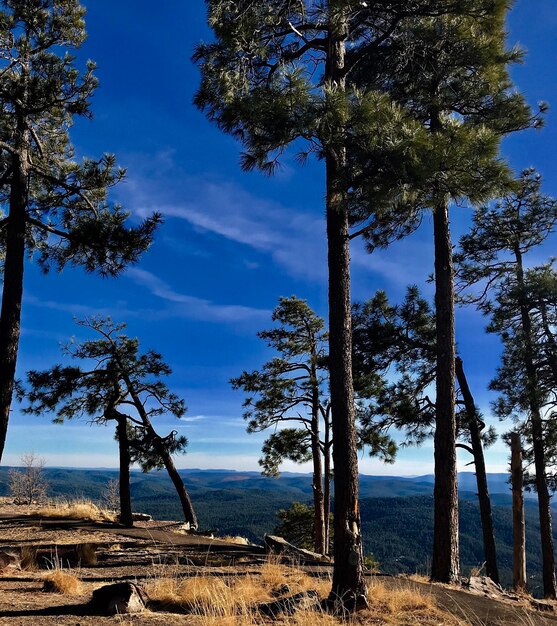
[294, 239]
[180, 305]
[191, 306]
[193, 418]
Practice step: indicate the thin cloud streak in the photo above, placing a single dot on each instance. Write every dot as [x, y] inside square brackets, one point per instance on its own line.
[193, 307]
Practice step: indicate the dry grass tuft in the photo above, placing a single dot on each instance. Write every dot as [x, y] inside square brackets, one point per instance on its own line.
[29, 559]
[87, 554]
[59, 581]
[236, 539]
[234, 600]
[77, 509]
[208, 596]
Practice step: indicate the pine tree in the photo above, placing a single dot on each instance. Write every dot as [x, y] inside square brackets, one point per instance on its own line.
[293, 387]
[290, 388]
[450, 73]
[492, 256]
[283, 73]
[57, 208]
[394, 347]
[117, 377]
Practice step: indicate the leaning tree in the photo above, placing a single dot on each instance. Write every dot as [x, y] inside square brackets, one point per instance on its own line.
[492, 264]
[283, 73]
[55, 207]
[394, 347]
[119, 383]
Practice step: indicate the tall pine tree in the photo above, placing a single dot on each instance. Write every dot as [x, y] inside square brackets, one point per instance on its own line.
[57, 208]
[450, 74]
[291, 389]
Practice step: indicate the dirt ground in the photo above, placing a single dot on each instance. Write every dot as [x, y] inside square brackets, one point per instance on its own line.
[155, 549]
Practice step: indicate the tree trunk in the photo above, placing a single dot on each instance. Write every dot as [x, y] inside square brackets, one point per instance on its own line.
[519, 525]
[348, 582]
[318, 496]
[327, 478]
[544, 500]
[445, 565]
[348, 591]
[12, 292]
[187, 506]
[490, 552]
[126, 517]
[183, 495]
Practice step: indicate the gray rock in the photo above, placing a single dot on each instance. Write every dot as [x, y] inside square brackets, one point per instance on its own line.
[142, 517]
[120, 598]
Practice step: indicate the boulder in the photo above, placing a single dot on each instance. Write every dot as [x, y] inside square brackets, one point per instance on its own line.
[142, 517]
[120, 598]
[483, 585]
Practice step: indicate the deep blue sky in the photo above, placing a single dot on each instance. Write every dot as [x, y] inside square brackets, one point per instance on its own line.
[232, 243]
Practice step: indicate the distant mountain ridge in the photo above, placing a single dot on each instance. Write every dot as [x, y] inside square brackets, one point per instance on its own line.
[288, 483]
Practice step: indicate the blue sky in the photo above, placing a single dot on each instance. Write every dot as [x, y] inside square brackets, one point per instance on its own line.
[232, 243]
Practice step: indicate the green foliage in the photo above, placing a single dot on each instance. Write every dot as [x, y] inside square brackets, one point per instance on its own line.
[520, 301]
[297, 525]
[394, 359]
[451, 75]
[289, 443]
[263, 82]
[68, 217]
[116, 376]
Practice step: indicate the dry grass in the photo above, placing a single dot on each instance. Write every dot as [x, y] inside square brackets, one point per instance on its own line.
[76, 509]
[406, 607]
[237, 539]
[229, 598]
[66, 583]
[233, 601]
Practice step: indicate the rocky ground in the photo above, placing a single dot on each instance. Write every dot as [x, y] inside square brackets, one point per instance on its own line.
[157, 555]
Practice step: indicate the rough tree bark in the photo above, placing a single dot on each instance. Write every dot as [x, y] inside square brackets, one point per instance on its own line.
[327, 478]
[318, 495]
[126, 517]
[348, 589]
[14, 261]
[185, 501]
[445, 565]
[490, 551]
[519, 524]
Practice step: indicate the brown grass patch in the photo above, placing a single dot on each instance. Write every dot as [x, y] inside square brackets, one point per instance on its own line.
[59, 581]
[406, 607]
[76, 509]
